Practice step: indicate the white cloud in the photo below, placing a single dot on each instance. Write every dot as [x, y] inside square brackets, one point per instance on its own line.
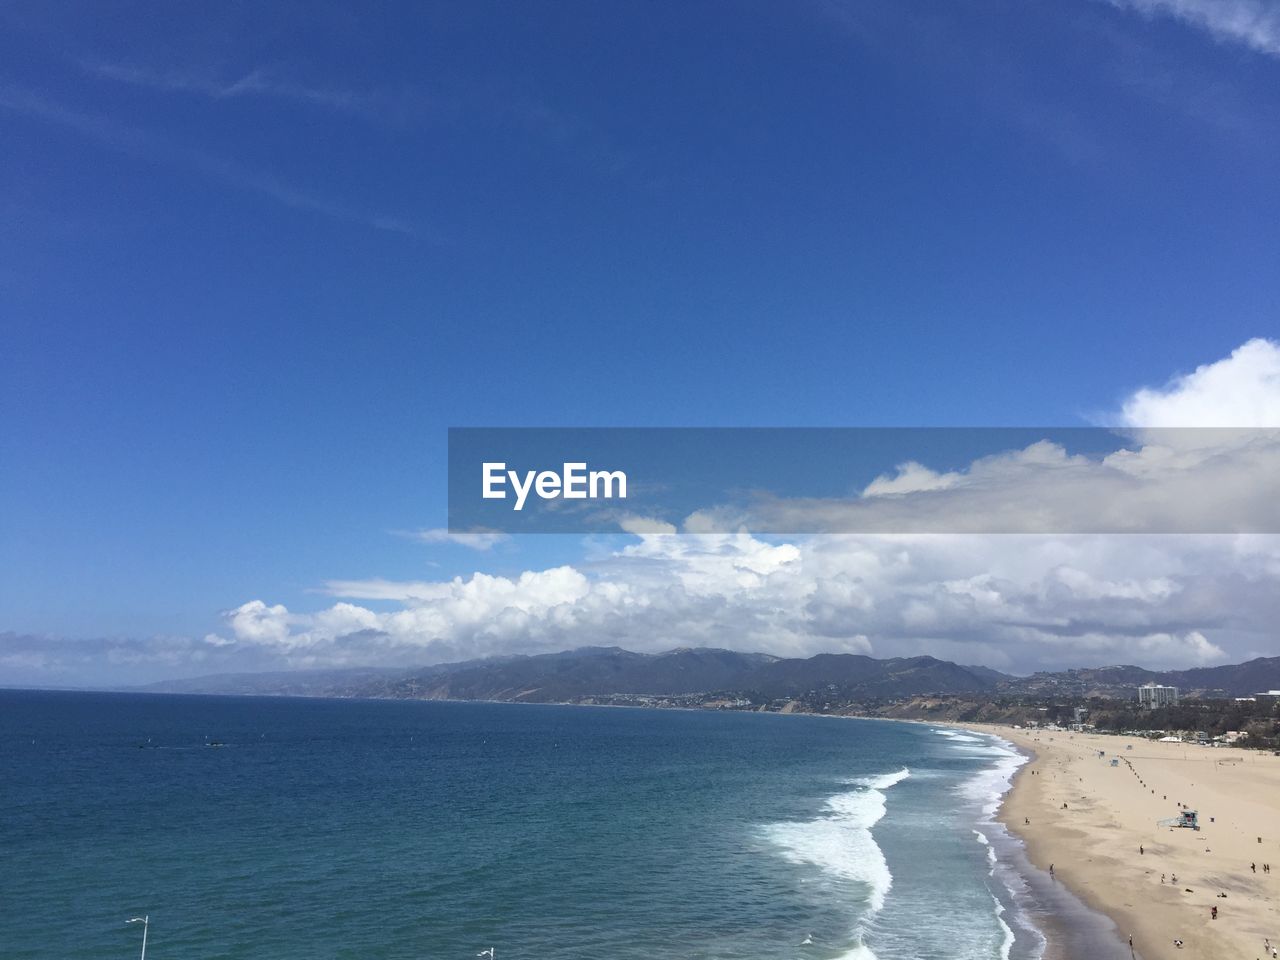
[645, 525]
[255, 622]
[379, 589]
[479, 540]
[1016, 602]
[344, 618]
[1254, 23]
[911, 477]
[1242, 390]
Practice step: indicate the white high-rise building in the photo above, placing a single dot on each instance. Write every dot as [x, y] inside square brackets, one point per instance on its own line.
[1152, 695]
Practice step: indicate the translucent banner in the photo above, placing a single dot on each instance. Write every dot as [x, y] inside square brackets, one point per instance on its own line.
[864, 480]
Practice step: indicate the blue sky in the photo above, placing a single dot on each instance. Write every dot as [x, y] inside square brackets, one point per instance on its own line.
[255, 259]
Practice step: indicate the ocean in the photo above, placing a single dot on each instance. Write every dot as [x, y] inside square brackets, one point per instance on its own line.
[294, 828]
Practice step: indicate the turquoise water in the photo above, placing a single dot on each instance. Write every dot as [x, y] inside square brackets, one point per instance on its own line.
[381, 829]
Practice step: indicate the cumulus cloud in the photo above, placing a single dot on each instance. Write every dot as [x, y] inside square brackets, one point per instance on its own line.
[1242, 390]
[256, 622]
[1019, 602]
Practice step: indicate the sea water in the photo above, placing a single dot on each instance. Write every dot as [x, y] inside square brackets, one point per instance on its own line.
[292, 828]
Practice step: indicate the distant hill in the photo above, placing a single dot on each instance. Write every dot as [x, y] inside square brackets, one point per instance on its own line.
[594, 671]
[602, 671]
[1231, 680]
[1237, 679]
[584, 672]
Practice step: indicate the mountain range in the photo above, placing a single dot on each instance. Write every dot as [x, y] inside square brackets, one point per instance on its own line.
[591, 672]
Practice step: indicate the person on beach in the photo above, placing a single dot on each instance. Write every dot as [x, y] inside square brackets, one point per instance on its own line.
[1141, 850]
[1254, 868]
[1051, 869]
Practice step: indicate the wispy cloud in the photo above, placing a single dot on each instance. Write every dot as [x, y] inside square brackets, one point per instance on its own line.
[378, 588]
[259, 82]
[477, 540]
[1254, 23]
[156, 148]
[935, 42]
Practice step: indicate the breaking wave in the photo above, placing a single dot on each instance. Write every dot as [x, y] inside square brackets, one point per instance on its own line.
[840, 844]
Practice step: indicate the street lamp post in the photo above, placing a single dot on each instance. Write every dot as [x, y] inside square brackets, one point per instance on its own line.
[145, 921]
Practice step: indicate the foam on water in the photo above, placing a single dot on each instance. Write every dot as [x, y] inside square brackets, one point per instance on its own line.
[841, 845]
[991, 852]
[1007, 944]
[987, 789]
[882, 781]
[958, 737]
[989, 786]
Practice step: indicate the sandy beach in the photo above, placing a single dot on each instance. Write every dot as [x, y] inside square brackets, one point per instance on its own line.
[1097, 825]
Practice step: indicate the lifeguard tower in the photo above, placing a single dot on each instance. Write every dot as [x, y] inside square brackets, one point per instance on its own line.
[1187, 818]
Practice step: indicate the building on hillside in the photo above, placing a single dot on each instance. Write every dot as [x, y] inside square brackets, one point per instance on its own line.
[1270, 697]
[1152, 695]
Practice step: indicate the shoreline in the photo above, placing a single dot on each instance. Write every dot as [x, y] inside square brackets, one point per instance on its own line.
[1071, 928]
[1097, 825]
[1051, 922]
